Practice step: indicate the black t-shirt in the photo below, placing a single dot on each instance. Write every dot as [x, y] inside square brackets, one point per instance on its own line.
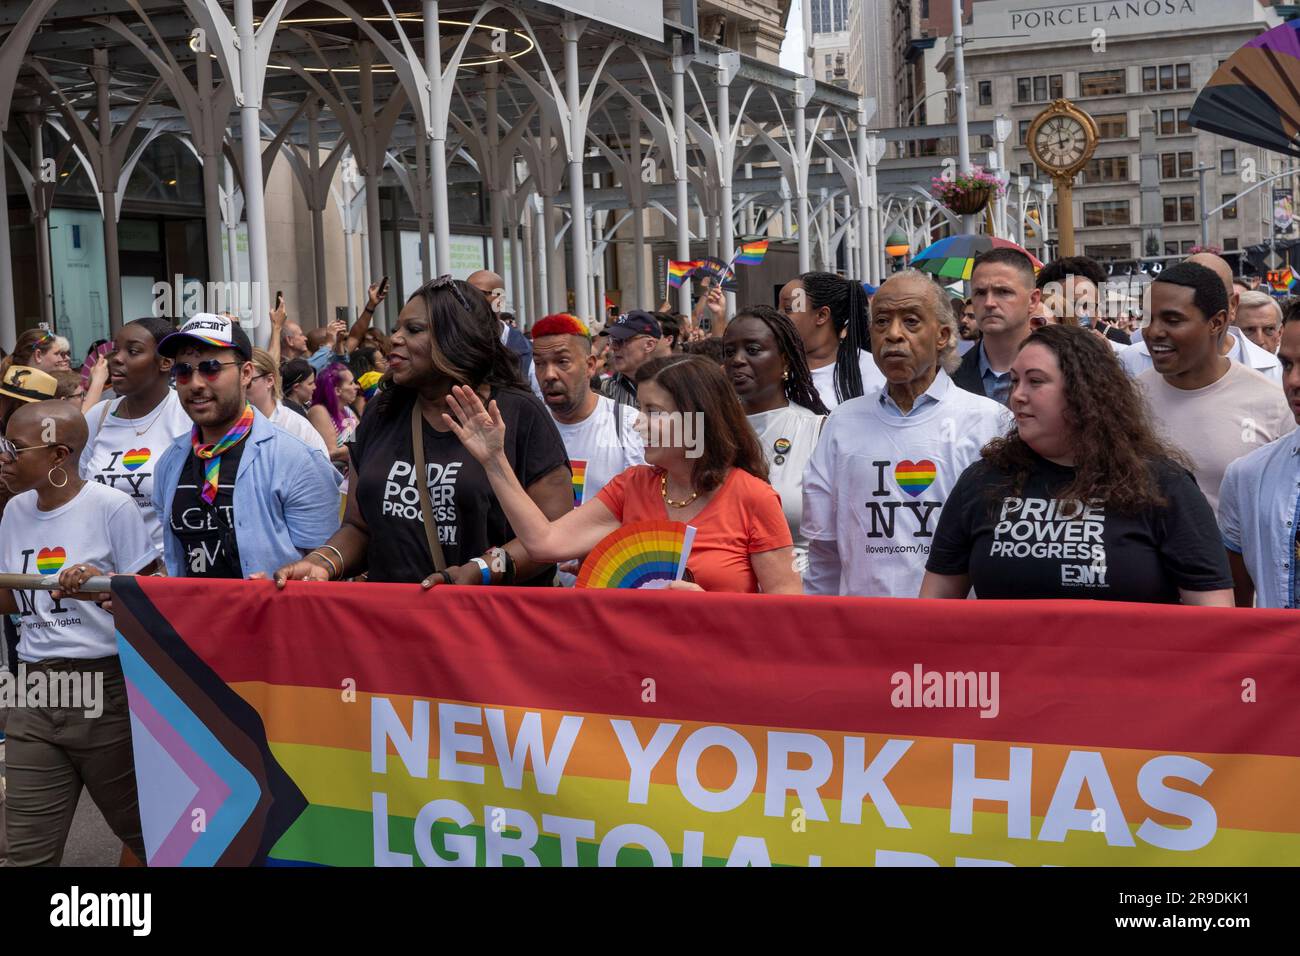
[207, 532]
[468, 515]
[1038, 546]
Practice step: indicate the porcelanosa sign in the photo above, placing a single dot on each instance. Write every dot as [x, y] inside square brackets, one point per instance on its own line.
[1008, 22]
[1097, 14]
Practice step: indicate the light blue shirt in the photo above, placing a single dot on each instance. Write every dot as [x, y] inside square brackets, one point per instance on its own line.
[286, 499]
[1259, 511]
[931, 396]
[322, 357]
[996, 386]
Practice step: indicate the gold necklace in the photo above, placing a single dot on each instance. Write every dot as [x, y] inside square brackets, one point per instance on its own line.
[669, 501]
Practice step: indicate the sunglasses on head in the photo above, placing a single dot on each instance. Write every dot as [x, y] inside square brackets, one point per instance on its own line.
[182, 372]
[447, 282]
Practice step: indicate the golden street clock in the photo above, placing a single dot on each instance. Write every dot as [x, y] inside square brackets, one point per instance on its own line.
[1061, 140]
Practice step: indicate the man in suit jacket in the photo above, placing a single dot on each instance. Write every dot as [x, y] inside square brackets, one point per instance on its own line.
[1004, 295]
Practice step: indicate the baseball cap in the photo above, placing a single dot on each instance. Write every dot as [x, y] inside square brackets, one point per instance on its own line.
[209, 329]
[28, 384]
[636, 322]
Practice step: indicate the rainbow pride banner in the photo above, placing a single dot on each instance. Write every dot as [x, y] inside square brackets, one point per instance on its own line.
[373, 724]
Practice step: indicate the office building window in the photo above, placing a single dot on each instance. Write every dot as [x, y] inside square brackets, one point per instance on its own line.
[1110, 250]
[1024, 128]
[1028, 169]
[1102, 83]
[1179, 208]
[1106, 169]
[1229, 212]
[1112, 125]
[1227, 162]
[986, 141]
[1173, 122]
[1167, 76]
[1111, 212]
[1230, 244]
[1176, 165]
[1039, 89]
[986, 92]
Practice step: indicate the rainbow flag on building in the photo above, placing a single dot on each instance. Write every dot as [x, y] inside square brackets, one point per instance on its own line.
[381, 724]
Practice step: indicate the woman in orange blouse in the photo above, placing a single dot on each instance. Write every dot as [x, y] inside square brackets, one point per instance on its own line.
[705, 468]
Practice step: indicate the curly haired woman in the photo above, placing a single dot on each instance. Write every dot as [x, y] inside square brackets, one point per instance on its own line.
[1081, 499]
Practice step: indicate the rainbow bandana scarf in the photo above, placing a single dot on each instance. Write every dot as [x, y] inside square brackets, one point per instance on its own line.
[211, 454]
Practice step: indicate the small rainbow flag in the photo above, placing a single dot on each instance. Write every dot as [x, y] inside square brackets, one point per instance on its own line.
[644, 554]
[1283, 281]
[579, 479]
[752, 253]
[369, 384]
[678, 271]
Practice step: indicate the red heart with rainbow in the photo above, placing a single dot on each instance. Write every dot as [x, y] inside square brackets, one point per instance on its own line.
[135, 457]
[915, 476]
[50, 560]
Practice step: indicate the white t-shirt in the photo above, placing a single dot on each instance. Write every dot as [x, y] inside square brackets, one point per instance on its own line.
[878, 480]
[1219, 423]
[789, 434]
[872, 378]
[101, 527]
[298, 426]
[596, 455]
[123, 452]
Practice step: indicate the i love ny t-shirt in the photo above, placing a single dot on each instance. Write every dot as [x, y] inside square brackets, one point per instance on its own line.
[122, 452]
[99, 527]
[878, 480]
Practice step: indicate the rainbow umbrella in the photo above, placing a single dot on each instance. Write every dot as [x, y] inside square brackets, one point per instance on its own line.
[954, 257]
[1254, 96]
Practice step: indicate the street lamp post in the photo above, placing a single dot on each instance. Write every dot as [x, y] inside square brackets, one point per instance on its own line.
[959, 71]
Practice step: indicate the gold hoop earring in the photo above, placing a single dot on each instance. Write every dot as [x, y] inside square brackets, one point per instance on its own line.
[50, 476]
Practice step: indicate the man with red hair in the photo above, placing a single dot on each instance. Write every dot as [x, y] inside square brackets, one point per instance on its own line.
[599, 434]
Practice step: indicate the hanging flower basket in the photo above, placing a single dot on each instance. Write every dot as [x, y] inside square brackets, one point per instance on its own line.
[967, 193]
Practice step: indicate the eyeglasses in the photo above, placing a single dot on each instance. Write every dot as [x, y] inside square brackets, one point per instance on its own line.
[447, 282]
[263, 375]
[10, 450]
[182, 372]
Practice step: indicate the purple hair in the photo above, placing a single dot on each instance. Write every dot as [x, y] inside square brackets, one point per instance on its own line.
[326, 394]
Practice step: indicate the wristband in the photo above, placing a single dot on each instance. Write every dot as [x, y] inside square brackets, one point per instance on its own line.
[484, 570]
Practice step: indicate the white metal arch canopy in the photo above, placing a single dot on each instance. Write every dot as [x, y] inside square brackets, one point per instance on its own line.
[544, 103]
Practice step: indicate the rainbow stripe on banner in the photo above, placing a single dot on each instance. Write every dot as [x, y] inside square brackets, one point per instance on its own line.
[579, 479]
[752, 253]
[504, 726]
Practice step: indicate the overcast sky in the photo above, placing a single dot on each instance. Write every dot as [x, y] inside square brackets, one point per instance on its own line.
[792, 45]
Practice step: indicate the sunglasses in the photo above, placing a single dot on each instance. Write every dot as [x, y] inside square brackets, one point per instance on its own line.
[10, 450]
[447, 282]
[182, 372]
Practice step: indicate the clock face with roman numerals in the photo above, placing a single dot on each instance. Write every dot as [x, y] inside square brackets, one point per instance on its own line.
[1061, 142]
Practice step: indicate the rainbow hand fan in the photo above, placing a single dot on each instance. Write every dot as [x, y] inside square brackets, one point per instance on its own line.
[645, 554]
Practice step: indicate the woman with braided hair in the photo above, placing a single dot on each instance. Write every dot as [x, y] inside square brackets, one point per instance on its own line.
[764, 360]
[832, 316]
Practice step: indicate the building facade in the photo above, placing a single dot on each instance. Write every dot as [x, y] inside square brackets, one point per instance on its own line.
[1131, 64]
